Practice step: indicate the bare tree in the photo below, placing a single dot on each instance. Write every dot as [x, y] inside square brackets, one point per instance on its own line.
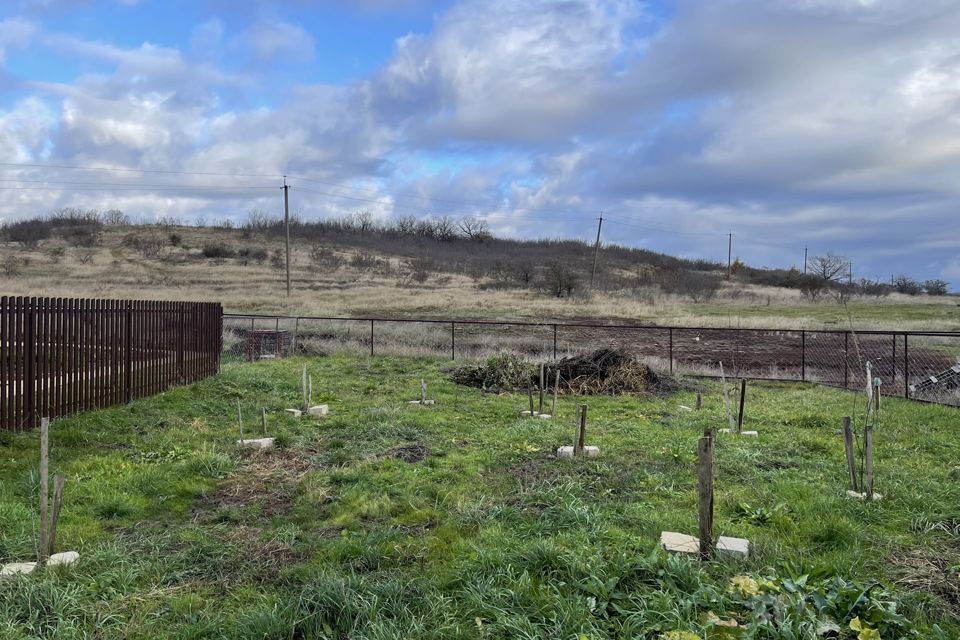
[935, 287]
[475, 229]
[828, 268]
[444, 229]
[258, 220]
[905, 284]
[115, 218]
[560, 279]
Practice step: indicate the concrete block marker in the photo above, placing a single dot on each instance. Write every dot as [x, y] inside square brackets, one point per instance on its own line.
[423, 402]
[568, 452]
[536, 414]
[319, 410]
[863, 496]
[747, 434]
[257, 443]
[17, 569]
[296, 413]
[674, 542]
[735, 547]
[63, 558]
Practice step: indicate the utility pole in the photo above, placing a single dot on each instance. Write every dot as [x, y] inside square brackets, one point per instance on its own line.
[804, 261]
[596, 251]
[286, 224]
[850, 272]
[729, 255]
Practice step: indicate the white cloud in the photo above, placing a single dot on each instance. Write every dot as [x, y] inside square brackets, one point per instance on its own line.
[271, 40]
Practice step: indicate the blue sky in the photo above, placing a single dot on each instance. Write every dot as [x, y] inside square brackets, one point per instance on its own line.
[828, 124]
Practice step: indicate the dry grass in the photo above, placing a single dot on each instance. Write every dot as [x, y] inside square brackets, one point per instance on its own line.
[118, 271]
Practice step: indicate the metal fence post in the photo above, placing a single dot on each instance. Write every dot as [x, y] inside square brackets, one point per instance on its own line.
[803, 356]
[453, 340]
[371, 338]
[671, 349]
[846, 360]
[128, 357]
[30, 355]
[906, 366]
[554, 340]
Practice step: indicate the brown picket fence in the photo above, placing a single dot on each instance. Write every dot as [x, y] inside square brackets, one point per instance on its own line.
[60, 356]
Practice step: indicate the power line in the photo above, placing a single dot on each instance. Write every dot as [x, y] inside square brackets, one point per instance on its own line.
[138, 185]
[128, 170]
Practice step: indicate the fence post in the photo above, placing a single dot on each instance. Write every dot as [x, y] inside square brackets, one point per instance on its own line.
[128, 357]
[371, 337]
[554, 340]
[803, 356]
[893, 361]
[906, 365]
[671, 349]
[181, 349]
[453, 340]
[30, 355]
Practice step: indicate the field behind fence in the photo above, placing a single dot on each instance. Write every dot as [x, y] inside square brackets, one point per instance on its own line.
[920, 365]
[59, 356]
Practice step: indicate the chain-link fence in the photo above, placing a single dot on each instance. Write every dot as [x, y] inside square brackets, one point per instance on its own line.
[920, 365]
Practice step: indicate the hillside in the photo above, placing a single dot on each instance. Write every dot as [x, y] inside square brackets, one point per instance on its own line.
[352, 267]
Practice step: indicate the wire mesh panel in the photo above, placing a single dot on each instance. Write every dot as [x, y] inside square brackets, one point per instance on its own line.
[475, 340]
[411, 338]
[932, 365]
[253, 338]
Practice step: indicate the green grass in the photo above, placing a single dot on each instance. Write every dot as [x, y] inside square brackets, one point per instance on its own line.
[386, 520]
[829, 314]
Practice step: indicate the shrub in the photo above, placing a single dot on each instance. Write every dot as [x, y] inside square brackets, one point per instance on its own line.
[217, 250]
[175, 239]
[696, 285]
[10, 266]
[257, 254]
[146, 246]
[560, 279]
[905, 284]
[935, 287]
[27, 233]
[324, 259]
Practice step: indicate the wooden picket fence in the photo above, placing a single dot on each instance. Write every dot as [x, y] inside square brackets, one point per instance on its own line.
[60, 356]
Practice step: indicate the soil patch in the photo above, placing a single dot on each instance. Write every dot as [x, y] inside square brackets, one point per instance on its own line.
[266, 480]
[929, 571]
[412, 452]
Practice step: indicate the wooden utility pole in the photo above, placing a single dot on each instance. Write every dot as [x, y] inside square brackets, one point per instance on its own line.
[729, 255]
[596, 251]
[804, 261]
[286, 224]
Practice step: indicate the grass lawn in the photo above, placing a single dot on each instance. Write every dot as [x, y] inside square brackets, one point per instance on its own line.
[386, 520]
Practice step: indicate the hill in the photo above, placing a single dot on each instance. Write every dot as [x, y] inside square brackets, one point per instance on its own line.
[431, 268]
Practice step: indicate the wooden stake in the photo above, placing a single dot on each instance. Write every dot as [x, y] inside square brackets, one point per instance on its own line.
[309, 391]
[541, 388]
[705, 496]
[726, 399]
[868, 461]
[556, 386]
[303, 388]
[582, 432]
[55, 515]
[699, 401]
[263, 420]
[851, 454]
[530, 395]
[743, 396]
[240, 421]
[44, 489]
[423, 391]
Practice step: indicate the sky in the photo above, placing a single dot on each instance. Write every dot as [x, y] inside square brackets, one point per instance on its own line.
[831, 125]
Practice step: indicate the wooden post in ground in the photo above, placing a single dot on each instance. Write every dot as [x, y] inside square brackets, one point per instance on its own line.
[556, 386]
[851, 455]
[263, 420]
[868, 462]
[541, 388]
[423, 391]
[581, 432]
[58, 482]
[726, 398]
[309, 391]
[240, 421]
[303, 389]
[44, 489]
[530, 395]
[699, 401]
[705, 496]
[743, 396]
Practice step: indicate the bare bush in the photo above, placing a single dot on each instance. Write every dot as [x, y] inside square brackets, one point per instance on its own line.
[217, 250]
[873, 288]
[277, 260]
[85, 256]
[907, 285]
[115, 218]
[475, 229]
[252, 254]
[324, 259]
[259, 220]
[560, 279]
[697, 286]
[812, 287]
[935, 287]
[55, 254]
[146, 246]
[11, 266]
[27, 233]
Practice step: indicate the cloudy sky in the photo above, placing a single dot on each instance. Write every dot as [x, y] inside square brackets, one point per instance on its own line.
[830, 124]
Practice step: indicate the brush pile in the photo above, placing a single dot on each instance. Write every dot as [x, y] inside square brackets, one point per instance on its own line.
[602, 372]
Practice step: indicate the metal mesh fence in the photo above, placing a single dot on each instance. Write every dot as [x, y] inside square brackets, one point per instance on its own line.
[920, 365]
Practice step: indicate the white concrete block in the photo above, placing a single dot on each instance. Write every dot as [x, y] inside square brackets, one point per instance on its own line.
[529, 413]
[735, 547]
[679, 542]
[863, 496]
[319, 410]
[588, 451]
[684, 407]
[17, 568]
[296, 413]
[544, 416]
[63, 558]
[426, 403]
[256, 443]
[748, 434]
